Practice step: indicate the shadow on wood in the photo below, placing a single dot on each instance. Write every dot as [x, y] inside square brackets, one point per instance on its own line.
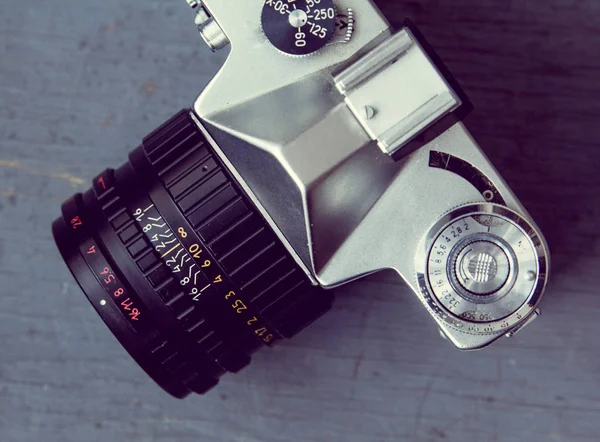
[535, 88]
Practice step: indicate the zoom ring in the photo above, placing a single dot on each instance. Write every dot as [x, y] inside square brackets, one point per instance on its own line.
[232, 228]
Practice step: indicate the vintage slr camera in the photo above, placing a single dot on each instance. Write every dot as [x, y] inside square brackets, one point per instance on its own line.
[328, 147]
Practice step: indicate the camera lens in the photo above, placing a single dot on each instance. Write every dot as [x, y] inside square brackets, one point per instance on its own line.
[180, 264]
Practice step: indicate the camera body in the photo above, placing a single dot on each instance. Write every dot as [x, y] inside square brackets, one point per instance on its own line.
[356, 156]
[327, 148]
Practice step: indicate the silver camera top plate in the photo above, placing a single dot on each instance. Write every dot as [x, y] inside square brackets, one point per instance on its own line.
[301, 137]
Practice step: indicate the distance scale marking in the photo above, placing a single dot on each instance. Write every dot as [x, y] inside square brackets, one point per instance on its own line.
[196, 270]
[128, 303]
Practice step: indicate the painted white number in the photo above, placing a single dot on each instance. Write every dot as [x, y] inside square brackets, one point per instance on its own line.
[318, 30]
[279, 6]
[324, 14]
[300, 39]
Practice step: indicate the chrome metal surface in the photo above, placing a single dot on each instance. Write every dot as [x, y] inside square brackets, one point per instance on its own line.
[298, 18]
[344, 208]
[193, 3]
[213, 35]
[201, 17]
[498, 233]
[374, 62]
[482, 267]
[536, 314]
[471, 291]
[209, 30]
[399, 80]
[281, 100]
[369, 112]
[250, 193]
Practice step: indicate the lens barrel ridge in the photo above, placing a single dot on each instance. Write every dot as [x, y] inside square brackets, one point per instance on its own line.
[181, 265]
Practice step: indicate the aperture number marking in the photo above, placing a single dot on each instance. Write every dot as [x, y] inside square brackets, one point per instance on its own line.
[193, 267]
[113, 287]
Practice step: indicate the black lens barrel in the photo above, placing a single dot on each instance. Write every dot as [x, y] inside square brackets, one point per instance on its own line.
[181, 265]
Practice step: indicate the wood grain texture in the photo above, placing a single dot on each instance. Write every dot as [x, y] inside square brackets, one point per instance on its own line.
[82, 82]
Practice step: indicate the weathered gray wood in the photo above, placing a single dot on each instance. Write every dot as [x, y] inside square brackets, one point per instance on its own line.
[82, 82]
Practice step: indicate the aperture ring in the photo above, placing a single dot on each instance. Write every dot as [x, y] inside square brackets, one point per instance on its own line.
[149, 262]
[119, 303]
[112, 204]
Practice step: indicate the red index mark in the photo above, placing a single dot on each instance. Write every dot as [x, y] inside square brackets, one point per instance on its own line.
[103, 183]
[76, 222]
[100, 181]
[91, 250]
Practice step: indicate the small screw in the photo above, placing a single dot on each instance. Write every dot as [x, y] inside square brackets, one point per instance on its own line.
[193, 3]
[369, 112]
[488, 195]
[103, 302]
[530, 276]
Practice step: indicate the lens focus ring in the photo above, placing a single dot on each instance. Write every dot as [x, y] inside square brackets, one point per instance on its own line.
[209, 340]
[203, 281]
[242, 242]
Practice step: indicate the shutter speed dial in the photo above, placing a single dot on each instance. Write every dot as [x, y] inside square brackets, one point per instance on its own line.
[299, 27]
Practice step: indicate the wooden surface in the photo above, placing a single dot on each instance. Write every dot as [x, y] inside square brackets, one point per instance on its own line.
[81, 82]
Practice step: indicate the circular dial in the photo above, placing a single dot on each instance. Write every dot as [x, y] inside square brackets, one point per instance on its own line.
[481, 266]
[484, 267]
[299, 27]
